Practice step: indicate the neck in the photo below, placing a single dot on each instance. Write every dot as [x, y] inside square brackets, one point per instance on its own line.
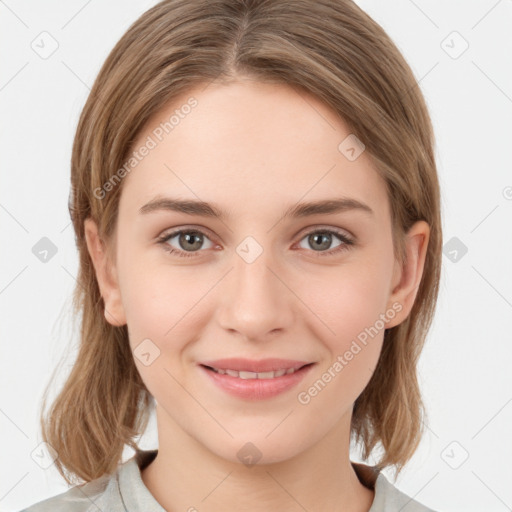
[185, 475]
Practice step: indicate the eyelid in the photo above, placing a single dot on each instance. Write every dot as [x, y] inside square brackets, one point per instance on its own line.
[199, 229]
[324, 227]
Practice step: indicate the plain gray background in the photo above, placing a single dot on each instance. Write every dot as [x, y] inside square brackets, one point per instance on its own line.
[460, 54]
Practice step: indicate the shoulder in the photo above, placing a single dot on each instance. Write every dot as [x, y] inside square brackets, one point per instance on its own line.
[99, 494]
[389, 499]
[107, 493]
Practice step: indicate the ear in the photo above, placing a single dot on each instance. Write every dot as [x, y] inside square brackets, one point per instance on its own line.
[106, 275]
[407, 277]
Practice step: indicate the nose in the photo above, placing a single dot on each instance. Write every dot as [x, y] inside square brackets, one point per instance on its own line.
[255, 301]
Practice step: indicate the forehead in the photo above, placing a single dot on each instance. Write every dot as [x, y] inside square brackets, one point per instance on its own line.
[249, 145]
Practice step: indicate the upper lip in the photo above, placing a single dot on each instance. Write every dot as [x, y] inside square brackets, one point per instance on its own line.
[253, 365]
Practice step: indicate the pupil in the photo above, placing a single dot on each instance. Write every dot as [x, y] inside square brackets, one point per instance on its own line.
[325, 241]
[189, 239]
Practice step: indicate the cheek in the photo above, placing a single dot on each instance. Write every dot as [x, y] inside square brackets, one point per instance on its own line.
[156, 297]
[165, 312]
[350, 306]
[348, 300]
[163, 317]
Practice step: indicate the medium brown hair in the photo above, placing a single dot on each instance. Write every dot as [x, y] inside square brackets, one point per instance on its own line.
[329, 48]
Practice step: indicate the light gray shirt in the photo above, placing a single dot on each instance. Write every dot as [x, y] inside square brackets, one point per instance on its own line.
[124, 491]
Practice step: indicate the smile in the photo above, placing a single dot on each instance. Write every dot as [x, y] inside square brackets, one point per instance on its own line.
[255, 379]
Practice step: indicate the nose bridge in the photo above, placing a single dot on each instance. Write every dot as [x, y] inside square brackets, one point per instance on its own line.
[252, 258]
[255, 300]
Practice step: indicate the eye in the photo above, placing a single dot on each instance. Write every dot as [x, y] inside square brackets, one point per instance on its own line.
[189, 241]
[322, 239]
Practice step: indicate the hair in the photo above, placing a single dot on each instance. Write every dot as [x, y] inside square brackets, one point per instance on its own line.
[329, 48]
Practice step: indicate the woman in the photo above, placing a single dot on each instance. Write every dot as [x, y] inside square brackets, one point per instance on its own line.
[256, 208]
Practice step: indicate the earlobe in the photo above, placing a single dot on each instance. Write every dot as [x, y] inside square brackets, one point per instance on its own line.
[105, 275]
[410, 273]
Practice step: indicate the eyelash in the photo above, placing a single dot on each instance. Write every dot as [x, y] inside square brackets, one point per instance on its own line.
[347, 242]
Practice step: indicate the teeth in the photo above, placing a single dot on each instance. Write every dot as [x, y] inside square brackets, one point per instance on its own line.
[265, 375]
[248, 375]
[255, 375]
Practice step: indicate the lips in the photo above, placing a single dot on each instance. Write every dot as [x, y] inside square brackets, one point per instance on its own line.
[255, 380]
[256, 385]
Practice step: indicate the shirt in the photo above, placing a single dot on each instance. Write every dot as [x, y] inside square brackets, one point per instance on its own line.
[125, 491]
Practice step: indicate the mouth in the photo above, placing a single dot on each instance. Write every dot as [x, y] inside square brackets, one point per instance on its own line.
[255, 380]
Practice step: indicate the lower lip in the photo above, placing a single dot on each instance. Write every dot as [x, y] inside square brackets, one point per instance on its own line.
[256, 389]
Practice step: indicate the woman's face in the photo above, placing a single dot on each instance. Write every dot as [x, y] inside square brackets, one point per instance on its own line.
[269, 278]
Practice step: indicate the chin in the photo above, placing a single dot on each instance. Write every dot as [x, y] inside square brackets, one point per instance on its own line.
[255, 450]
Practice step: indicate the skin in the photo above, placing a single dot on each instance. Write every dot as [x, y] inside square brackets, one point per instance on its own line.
[254, 149]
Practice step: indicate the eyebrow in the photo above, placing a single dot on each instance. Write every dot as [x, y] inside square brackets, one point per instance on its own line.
[201, 208]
